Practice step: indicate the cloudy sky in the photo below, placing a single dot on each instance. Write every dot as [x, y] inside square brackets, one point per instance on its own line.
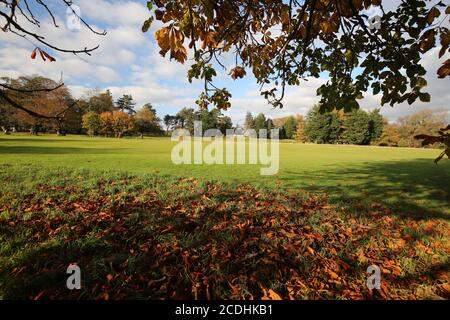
[128, 62]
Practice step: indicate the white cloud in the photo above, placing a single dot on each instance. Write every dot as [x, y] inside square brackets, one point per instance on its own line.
[128, 61]
[117, 12]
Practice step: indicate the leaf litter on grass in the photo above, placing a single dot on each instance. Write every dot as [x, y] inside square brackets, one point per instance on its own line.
[191, 239]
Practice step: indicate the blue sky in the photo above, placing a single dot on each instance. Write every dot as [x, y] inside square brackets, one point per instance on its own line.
[128, 62]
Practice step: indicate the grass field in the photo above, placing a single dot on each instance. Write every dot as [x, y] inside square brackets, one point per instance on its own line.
[141, 227]
[404, 179]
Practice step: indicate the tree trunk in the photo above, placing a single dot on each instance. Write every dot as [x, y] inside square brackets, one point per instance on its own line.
[6, 130]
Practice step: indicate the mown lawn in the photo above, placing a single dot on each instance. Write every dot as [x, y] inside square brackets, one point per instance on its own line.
[403, 179]
[140, 227]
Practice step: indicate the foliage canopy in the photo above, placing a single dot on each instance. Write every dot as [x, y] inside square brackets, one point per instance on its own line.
[285, 42]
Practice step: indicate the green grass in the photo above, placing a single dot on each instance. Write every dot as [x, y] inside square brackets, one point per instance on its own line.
[406, 180]
[141, 227]
[157, 236]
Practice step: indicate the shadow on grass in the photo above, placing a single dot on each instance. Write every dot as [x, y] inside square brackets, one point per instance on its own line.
[44, 140]
[55, 150]
[417, 188]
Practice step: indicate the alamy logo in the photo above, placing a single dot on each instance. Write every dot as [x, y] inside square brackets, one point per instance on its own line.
[374, 280]
[73, 20]
[236, 148]
[74, 280]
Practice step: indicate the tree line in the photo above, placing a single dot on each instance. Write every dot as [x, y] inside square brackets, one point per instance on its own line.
[358, 127]
[95, 114]
[210, 119]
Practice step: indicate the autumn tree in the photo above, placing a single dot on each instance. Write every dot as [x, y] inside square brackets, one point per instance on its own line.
[147, 122]
[442, 137]
[424, 122]
[7, 117]
[300, 132]
[312, 37]
[116, 123]
[390, 136]
[38, 109]
[21, 19]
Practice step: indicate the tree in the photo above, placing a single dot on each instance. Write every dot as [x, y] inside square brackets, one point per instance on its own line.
[170, 122]
[260, 123]
[224, 123]
[300, 132]
[116, 123]
[147, 121]
[270, 126]
[322, 127]
[213, 119]
[357, 124]
[290, 127]
[91, 122]
[443, 138]
[21, 19]
[424, 122]
[100, 102]
[249, 122]
[376, 124]
[390, 136]
[126, 104]
[313, 36]
[185, 119]
[7, 117]
[38, 109]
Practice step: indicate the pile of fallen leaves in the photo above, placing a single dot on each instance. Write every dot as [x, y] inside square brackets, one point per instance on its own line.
[176, 239]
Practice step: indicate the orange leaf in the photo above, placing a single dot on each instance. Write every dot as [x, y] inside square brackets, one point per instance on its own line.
[273, 295]
[444, 71]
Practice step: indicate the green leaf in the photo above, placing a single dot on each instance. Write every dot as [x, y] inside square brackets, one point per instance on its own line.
[424, 97]
[147, 24]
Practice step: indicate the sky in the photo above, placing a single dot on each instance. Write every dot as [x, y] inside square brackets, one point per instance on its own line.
[128, 62]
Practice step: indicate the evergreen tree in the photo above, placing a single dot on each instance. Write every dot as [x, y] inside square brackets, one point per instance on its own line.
[269, 126]
[170, 121]
[322, 127]
[357, 124]
[260, 123]
[249, 122]
[376, 125]
[290, 127]
[282, 135]
[126, 104]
